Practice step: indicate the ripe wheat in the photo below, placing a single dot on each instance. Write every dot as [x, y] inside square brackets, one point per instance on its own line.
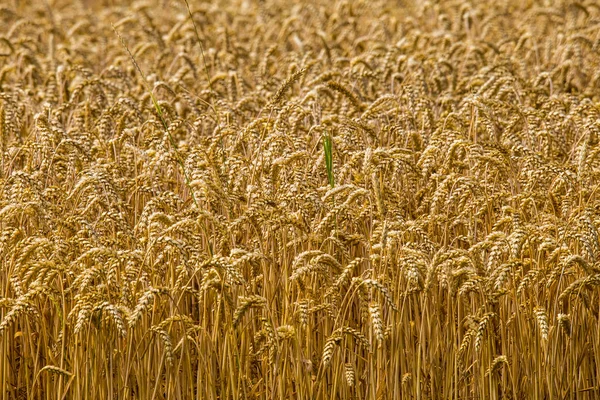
[299, 199]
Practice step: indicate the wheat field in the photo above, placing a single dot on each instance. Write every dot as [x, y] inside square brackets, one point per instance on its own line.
[277, 199]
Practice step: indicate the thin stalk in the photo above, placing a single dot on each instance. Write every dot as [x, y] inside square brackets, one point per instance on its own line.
[328, 148]
[166, 128]
[199, 43]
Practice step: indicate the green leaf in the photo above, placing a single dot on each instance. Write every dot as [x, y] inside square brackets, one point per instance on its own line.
[328, 147]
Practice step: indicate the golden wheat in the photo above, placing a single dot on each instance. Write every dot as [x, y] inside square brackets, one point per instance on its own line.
[270, 199]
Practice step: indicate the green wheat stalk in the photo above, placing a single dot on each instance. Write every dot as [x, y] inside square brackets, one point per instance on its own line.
[328, 149]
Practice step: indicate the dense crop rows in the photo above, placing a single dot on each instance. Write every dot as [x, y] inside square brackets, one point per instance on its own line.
[271, 199]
